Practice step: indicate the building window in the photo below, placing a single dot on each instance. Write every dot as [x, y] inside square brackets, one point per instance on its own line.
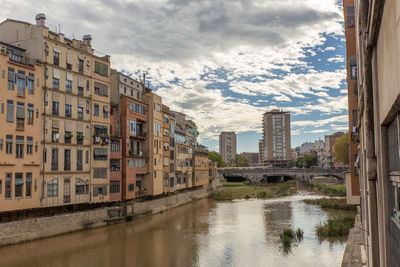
[20, 115]
[21, 85]
[80, 91]
[166, 180]
[30, 114]
[67, 137]
[52, 188]
[80, 113]
[99, 190]
[19, 184]
[56, 108]
[96, 110]
[9, 144]
[55, 135]
[67, 160]
[101, 68]
[114, 165]
[10, 111]
[100, 154]
[30, 82]
[11, 79]
[105, 112]
[19, 147]
[79, 160]
[353, 73]
[56, 83]
[350, 17]
[114, 187]
[131, 187]
[68, 110]
[28, 184]
[115, 146]
[100, 173]
[68, 86]
[69, 66]
[56, 58]
[8, 185]
[79, 138]
[67, 190]
[81, 188]
[87, 157]
[54, 159]
[29, 145]
[80, 65]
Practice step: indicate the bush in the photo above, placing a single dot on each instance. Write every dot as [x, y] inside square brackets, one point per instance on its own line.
[222, 196]
[263, 195]
[288, 236]
[331, 203]
[283, 190]
[339, 226]
[299, 234]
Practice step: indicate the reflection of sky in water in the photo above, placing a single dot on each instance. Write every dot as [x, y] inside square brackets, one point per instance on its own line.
[203, 233]
[246, 233]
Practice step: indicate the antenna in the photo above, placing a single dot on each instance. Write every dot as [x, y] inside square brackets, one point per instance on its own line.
[59, 28]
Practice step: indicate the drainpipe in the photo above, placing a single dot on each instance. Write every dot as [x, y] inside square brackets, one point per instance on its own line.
[369, 33]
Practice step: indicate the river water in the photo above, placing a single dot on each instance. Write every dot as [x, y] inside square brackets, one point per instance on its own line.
[203, 233]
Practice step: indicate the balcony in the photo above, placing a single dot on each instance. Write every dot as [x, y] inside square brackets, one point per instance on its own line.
[138, 135]
[139, 154]
[102, 140]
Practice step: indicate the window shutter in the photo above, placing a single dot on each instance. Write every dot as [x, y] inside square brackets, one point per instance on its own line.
[10, 111]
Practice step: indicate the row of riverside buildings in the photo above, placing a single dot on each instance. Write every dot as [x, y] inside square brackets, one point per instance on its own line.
[75, 131]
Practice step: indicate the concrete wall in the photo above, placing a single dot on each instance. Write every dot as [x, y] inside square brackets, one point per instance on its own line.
[35, 228]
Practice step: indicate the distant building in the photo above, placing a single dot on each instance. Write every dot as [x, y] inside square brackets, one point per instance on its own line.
[316, 147]
[254, 158]
[328, 160]
[276, 137]
[227, 146]
[261, 151]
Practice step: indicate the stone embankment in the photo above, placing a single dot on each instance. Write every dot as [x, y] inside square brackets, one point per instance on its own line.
[42, 227]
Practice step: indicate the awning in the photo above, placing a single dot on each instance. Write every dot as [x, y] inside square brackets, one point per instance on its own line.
[79, 127]
[105, 108]
[56, 96]
[70, 76]
[100, 152]
[81, 82]
[56, 73]
[69, 58]
[29, 140]
[81, 102]
[29, 180]
[19, 181]
[9, 138]
[68, 99]
[67, 125]
[56, 49]
[55, 124]
[100, 127]
[21, 76]
[20, 112]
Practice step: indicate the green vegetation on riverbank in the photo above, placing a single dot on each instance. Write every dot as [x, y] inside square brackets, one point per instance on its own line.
[331, 203]
[336, 227]
[337, 190]
[244, 191]
[288, 236]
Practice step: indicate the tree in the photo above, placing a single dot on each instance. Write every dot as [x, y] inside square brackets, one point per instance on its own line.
[241, 160]
[216, 157]
[307, 161]
[341, 149]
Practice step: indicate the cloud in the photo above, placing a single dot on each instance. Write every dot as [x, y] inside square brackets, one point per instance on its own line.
[223, 62]
[317, 131]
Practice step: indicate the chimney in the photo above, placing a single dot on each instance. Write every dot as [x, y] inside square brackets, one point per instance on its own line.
[87, 39]
[144, 80]
[40, 19]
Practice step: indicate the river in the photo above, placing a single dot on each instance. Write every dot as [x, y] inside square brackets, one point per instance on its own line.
[203, 233]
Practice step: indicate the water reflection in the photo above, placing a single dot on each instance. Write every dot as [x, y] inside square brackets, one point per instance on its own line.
[205, 233]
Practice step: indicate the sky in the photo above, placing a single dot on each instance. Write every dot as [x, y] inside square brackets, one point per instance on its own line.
[222, 62]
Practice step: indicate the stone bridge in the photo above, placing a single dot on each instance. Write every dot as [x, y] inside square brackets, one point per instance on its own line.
[258, 174]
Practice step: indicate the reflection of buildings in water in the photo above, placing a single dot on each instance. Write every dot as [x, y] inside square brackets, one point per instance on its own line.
[158, 240]
[278, 216]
